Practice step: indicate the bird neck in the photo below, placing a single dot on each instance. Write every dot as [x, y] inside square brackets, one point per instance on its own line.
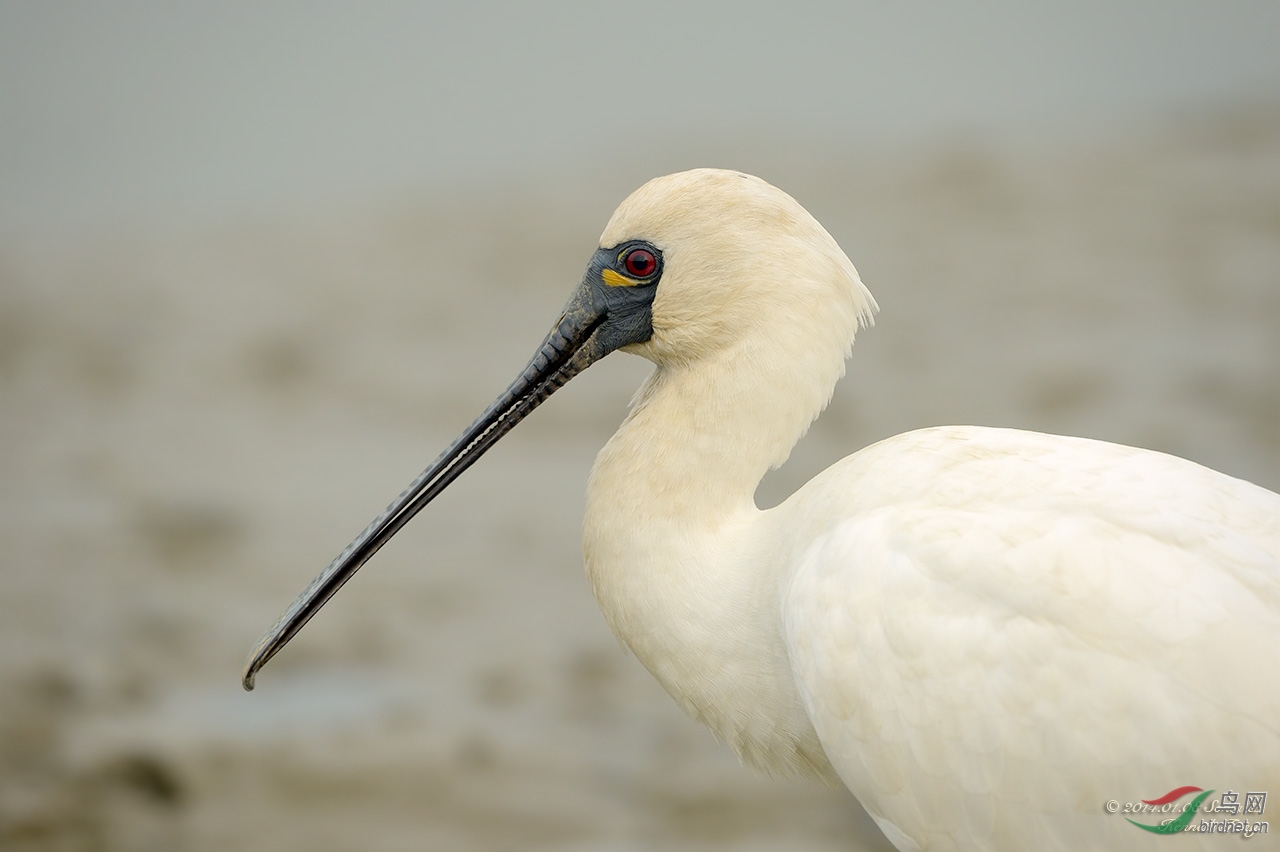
[701, 436]
[679, 556]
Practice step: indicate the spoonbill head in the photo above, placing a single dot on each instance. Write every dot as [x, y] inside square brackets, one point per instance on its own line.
[986, 634]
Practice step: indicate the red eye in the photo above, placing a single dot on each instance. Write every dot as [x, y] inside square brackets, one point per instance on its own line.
[640, 263]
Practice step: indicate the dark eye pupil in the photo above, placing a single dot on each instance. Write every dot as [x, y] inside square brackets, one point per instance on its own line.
[640, 263]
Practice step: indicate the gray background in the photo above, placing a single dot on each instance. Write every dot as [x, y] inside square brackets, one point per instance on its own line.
[260, 262]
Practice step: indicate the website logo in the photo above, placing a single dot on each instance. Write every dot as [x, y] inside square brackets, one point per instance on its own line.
[1227, 815]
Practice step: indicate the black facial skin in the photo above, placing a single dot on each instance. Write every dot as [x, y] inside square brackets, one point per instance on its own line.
[628, 310]
[598, 318]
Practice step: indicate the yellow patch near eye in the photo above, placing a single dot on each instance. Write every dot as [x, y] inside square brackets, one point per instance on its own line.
[614, 279]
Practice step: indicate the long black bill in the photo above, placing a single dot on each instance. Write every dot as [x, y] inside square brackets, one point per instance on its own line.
[571, 347]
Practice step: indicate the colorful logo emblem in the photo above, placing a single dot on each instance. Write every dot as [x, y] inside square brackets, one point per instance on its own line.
[1188, 813]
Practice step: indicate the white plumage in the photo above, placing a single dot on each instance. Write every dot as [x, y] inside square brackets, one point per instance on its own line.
[997, 640]
[986, 634]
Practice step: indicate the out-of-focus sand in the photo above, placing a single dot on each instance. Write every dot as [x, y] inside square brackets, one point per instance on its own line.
[193, 424]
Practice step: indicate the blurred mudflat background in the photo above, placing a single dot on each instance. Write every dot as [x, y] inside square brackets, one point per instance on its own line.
[196, 422]
[198, 412]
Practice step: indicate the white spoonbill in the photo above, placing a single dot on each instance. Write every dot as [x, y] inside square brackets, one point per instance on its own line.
[986, 634]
